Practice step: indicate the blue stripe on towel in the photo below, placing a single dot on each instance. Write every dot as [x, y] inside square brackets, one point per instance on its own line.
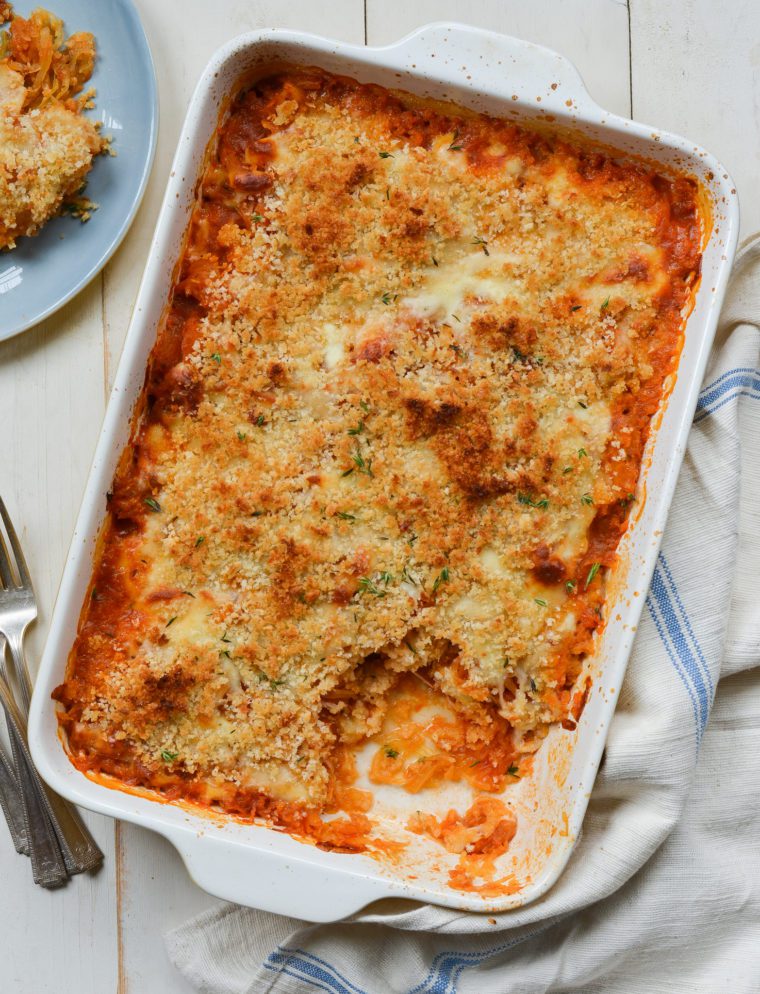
[447, 966]
[309, 980]
[328, 966]
[676, 664]
[722, 377]
[319, 973]
[753, 395]
[441, 979]
[733, 383]
[680, 644]
[687, 625]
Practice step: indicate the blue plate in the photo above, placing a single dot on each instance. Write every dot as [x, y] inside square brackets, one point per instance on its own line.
[42, 273]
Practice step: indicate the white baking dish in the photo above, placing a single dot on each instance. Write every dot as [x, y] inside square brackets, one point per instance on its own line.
[253, 864]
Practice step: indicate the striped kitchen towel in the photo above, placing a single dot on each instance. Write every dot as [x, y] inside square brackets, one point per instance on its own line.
[663, 890]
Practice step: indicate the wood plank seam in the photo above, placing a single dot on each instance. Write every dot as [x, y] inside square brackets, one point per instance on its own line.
[630, 58]
[121, 987]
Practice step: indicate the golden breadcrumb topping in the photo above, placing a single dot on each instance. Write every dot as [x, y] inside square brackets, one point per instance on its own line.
[393, 422]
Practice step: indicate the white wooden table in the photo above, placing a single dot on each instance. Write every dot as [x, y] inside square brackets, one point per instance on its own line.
[692, 66]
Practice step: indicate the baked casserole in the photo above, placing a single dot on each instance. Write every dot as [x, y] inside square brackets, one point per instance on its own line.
[389, 439]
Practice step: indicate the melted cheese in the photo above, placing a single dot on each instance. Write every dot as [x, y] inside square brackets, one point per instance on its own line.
[396, 412]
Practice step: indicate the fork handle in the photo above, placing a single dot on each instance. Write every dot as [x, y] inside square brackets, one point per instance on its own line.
[48, 866]
[80, 850]
[12, 804]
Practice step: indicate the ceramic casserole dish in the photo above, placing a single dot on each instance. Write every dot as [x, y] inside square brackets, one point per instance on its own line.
[251, 863]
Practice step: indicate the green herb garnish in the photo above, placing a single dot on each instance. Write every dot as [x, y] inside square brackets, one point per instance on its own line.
[345, 515]
[391, 753]
[217, 358]
[453, 147]
[570, 586]
[582, 453]
[368, 586]
[530, 502]
[540, 601]
[406, 575]
[591, 574]
[587, 499]
[443, 577]
[605, 303]
[514, 771]
[152, 504]
[357, 430]
[200, 540]
[257, 217]
[385, 155]
[167, 756]
[482, 242]
[362, 464]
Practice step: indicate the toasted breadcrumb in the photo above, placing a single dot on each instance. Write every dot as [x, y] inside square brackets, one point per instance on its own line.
[393, 421]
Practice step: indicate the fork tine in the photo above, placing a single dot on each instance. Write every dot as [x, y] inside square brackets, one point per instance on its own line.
[23, 572]
[6, 575]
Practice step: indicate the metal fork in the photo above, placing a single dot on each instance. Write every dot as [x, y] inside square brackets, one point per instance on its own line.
[48, 865]
[18, 608]
[12, 803]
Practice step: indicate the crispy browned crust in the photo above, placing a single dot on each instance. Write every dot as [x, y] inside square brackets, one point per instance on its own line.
[393, 421]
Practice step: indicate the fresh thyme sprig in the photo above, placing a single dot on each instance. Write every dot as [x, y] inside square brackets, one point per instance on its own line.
[530, 502]
[595, 567]
[360, 463]
[443, 577]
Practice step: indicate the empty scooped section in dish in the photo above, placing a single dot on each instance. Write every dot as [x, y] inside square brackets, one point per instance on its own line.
[434, 772]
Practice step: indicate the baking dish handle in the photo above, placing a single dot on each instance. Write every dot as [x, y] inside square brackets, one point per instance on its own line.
[537, 74]
[271, 882]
